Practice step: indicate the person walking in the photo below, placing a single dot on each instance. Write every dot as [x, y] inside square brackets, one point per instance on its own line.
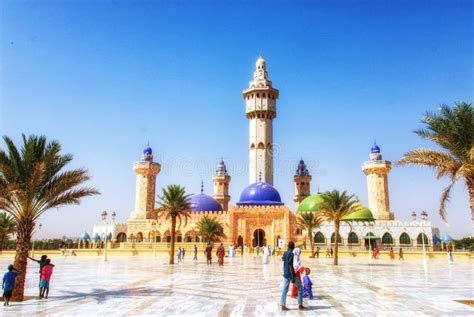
[208, 253]
[450, 257]
[195, 252]
[178, 255]
[332, 252]
[220, 254]
[266, 255]
[289, 275]
[400, 254]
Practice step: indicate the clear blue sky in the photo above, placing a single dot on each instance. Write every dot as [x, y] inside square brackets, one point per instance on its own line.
[105, 77]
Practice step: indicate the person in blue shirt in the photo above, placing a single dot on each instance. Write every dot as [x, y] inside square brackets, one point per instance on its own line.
[8, 284]
[289, 275]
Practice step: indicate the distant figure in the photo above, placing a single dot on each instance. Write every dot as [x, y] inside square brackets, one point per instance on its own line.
[450, 257]
[178, 255]
[183, 252]
[258, 250]
[208, 253]
[391, 254]
[328, 254]
[307, 284]
[332, 252]
[220, 254]
[195, 252]
[9, 284]
[377, 253]
[304, 245]
[400, 254]
[46, 273]
[266, 255]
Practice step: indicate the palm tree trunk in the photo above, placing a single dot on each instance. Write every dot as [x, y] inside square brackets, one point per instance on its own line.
[310, 234]
[173, 236]
[336, 242]
[22, 248]
[470, 187]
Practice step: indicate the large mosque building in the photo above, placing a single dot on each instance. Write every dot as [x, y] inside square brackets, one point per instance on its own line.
[260, 217]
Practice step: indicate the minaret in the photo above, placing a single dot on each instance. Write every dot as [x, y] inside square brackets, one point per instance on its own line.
[260, 108]
[146, 171]
[302, 181]
[221, 180]
[377, 171]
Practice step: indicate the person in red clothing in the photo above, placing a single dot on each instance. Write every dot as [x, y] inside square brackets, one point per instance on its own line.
[220, 254]
[45, 274]
[298, 270]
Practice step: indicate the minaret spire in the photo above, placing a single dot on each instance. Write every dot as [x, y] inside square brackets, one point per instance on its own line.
[260, 108]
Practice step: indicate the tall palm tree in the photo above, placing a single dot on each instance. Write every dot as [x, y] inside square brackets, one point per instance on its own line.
[7, 228]
[309, 221]
[210, 229]
[32, 181]
[452, 129]
[174, 205]
[334, 207]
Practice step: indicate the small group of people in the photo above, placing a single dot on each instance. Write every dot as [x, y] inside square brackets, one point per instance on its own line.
[329, 253]
[292, 272]
[45, 272]
[180, 254]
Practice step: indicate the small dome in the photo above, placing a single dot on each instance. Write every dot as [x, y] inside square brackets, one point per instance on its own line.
[96, 237]
[260, 62]
[148, 151]
[85, 237]
[259, 194]
[301, 162]
[375, 149]
[310, 204]
[362, 214]
[203, 202]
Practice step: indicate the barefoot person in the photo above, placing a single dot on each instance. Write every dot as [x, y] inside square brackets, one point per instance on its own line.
[42, 263]
[220, 254]
[289, 276]
[45, 276]
[9, 284]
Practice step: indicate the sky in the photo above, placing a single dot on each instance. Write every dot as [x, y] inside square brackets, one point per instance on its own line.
[106, 77]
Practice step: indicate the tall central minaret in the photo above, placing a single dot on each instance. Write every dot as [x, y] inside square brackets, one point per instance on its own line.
[260, 108]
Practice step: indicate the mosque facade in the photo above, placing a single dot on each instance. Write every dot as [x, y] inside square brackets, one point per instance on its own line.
[260, 217]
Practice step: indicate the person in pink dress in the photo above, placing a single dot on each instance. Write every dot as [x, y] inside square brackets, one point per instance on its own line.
[45, 276]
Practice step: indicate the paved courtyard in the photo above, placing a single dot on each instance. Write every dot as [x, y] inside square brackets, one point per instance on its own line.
[127, 286]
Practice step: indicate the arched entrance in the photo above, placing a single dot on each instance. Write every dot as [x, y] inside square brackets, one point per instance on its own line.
[259, 238]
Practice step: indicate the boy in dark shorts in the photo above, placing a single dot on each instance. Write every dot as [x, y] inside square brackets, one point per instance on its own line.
[8, 284]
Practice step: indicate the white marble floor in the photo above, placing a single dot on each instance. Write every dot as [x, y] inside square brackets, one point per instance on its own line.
[138, 286]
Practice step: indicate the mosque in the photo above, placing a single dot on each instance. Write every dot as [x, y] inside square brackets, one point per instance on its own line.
[260, 217]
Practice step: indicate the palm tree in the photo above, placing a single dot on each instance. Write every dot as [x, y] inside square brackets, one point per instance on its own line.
[174, 205]
[453, 131]
[335, 206]
[7, 228]
[32, 181]
[210, 229]
[309, 221]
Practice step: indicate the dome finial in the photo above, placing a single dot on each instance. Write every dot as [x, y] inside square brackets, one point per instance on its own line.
[260, 176]
[202, 186]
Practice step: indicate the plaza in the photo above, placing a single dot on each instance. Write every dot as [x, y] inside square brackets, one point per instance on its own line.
[147, 285]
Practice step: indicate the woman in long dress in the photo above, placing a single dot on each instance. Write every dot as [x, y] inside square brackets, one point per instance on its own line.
[208, 253]
[266, 255]
[220, 254]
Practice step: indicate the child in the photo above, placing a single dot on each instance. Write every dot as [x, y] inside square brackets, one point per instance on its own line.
[45, 274]
[307, 284]
[9, 284]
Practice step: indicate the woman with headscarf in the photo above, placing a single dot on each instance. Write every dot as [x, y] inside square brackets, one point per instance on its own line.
[266, 255]
[220, 254]
[297, 286]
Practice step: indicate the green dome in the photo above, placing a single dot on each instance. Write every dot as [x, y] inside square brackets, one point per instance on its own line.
[363, 214]
[309, 204]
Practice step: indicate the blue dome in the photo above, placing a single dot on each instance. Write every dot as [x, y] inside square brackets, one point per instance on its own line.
[375, 148]
[148, 151]
[258, 194]
[203, 202]
[301, 162]
[85, 237]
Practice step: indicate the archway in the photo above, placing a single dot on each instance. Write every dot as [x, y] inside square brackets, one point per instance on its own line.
[259, 238]
[319, 238]
[121, 237]
[387, 239]
[139, 237]
[240, 241]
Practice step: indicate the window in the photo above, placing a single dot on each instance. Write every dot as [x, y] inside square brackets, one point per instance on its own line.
[352, 238]
[319, 238]
[387, 238]
[258, 95]
[405, 238]
[422, 239]
[263, 95]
